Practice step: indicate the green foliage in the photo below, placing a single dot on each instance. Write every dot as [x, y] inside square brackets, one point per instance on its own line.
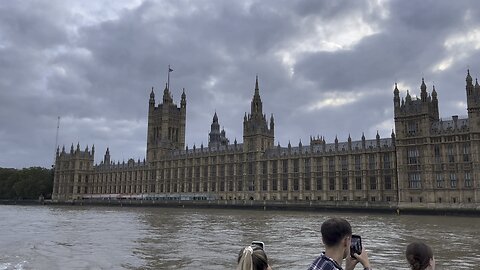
[28, 183]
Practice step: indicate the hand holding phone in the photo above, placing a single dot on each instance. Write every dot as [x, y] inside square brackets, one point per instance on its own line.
[355, 245]
[258, 243]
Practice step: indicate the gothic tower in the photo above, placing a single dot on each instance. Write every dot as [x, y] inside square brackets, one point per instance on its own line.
[414, 117]
[413, 123]
[166, 125]
[473, 102]
[257, 136]
[216, 137]
[73, 173]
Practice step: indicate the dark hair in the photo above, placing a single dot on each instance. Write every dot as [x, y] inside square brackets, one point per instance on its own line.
[334, 230]
[256, 260]
[418, 255]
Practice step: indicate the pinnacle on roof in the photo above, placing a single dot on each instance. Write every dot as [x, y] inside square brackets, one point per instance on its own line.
[152, 94]
[468, 78]
[408, 97]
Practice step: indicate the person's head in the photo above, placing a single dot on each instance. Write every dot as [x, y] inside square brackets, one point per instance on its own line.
[420, 256]
[252, 258]
[337, 233]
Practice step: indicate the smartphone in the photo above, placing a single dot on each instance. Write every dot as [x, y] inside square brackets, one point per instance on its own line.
[356, 245]
[258, 243]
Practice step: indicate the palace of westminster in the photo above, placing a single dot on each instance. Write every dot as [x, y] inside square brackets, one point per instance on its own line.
[427, 161]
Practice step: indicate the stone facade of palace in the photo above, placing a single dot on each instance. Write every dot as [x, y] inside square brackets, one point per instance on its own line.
[428, 161]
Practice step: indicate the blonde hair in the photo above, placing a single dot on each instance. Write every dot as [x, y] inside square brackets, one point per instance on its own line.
[252, 258]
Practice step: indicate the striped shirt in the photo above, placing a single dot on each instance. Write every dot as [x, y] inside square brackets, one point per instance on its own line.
[324, 263]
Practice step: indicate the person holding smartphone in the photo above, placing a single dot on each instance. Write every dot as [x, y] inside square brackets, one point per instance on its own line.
[337, 238]
[253, 257]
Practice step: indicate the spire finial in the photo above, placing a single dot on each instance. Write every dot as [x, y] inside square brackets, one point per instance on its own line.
[469, 78]
[152, 94]
[256, 84]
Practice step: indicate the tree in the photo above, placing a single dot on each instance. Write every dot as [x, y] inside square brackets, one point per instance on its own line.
[27, 183]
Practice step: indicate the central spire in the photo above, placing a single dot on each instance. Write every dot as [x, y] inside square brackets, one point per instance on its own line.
[256, 108]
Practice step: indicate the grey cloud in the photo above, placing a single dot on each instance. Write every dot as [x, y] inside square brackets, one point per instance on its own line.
[98, 75]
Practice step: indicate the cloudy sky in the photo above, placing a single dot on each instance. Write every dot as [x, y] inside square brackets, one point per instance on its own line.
[325, 67]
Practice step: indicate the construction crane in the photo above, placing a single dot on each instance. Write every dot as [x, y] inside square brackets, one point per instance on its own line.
[56, 142]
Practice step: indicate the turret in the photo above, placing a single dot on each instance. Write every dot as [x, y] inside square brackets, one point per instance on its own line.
[469, 85]
[349, 142]
[151, 101]
[408, 98]
[216, 137]
[106, 158]
[473, 102]
[183, 102]
[423, 91]
[167, 98]
[272, 123]
[378, 139]
[363, 140]
[396, 97]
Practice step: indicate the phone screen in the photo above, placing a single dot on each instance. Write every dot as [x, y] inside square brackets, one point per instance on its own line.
[356, 245]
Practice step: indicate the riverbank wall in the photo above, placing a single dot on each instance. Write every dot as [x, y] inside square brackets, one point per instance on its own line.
[329, 206]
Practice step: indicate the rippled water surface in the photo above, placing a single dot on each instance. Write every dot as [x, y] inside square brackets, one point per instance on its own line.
[53, 237]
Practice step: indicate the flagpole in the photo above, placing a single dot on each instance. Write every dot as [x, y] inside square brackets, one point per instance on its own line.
[168, 78]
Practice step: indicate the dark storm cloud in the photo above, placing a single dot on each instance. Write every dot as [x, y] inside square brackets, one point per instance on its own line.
[410, 42]
[325, 67]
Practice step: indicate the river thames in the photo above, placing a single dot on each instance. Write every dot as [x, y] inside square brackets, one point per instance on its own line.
[62, 237]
